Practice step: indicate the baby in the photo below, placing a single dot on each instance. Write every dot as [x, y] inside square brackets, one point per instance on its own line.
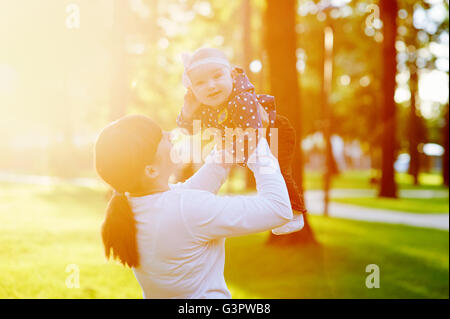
[221, 96]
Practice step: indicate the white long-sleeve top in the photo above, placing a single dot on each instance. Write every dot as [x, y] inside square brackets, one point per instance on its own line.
[181, 232]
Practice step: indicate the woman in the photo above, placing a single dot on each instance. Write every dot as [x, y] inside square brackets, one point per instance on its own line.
[173, 236]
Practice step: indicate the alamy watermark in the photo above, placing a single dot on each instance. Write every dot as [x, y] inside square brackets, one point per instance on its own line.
[234, 142]
[73, 20]
[373, 280]
[373, 19]
[73, 279]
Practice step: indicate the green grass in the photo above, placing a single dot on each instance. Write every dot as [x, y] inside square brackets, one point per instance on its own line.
[45, 229]
[413, 263]
[412, 205]
[345, 180]
[361, 180]
[348, 179]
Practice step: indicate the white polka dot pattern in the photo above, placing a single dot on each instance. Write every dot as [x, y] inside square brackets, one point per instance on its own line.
[244, 114]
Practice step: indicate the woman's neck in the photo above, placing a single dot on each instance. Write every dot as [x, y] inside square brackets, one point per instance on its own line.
[152, 188]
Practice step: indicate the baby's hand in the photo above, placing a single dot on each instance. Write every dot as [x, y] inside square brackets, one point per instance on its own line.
[191, 104]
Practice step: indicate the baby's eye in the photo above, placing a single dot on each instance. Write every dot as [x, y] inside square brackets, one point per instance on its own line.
[217, 76]
[199, 83]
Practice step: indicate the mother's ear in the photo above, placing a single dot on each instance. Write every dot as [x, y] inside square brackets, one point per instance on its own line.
[151, 171]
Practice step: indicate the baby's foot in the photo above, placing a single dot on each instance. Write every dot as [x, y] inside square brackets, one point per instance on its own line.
[294, 225]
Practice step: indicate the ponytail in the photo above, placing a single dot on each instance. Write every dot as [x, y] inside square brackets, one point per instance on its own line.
[122, 151]
[119, 232]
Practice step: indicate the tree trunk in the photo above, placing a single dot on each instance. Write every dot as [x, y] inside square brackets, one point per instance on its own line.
[280, 42]
[327, 82]
[445, 161]
[413, 127]
[388, 14]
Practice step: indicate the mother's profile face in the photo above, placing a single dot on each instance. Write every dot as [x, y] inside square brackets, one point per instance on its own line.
[126, 146]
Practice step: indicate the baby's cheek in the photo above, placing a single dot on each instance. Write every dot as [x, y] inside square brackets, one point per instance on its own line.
[201, 97]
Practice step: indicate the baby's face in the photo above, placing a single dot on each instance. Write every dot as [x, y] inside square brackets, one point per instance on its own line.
[211, 83]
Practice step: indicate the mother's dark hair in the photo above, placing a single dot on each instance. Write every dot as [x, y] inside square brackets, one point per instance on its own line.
[122, 151]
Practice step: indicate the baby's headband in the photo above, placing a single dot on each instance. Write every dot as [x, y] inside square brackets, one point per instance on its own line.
[185, 57]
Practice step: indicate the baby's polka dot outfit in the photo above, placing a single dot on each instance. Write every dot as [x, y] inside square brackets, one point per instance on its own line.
[241, 110]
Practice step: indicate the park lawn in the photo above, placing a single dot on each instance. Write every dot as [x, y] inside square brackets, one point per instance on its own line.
[356, 179]
[44, 229]
[413, 263]
[346, 179]
[412, 205]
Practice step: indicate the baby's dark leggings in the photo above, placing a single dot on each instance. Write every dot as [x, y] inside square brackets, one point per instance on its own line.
[286, 148]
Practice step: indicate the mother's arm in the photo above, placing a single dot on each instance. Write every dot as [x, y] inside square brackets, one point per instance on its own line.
[208, 216]
[209, 177]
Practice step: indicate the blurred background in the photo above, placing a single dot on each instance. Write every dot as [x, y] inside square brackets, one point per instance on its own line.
[365, 83]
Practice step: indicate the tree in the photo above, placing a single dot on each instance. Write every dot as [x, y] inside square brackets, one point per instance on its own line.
[388, 15]
[281, 45]
[415, 128]
[356, 79]
[417, 39]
